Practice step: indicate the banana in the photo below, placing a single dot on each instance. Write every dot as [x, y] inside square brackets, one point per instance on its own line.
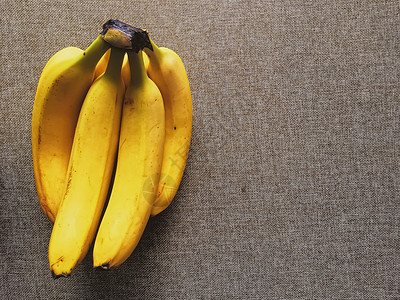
[102, 65]
[138, 169]
[126, 71]
[89, 169]
[61, 90]
[168, 72]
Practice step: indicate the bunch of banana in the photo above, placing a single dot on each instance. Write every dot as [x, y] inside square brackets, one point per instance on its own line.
[109, 105]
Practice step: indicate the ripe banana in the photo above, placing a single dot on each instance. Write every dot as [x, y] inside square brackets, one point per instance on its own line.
[166, 69]
[61, 90]
[89, 169]
[138, 169]
[102, 65]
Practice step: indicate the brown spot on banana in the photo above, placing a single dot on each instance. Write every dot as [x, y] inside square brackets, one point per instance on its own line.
[39, 135]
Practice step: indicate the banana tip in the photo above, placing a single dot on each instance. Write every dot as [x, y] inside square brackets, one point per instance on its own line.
[56, 276]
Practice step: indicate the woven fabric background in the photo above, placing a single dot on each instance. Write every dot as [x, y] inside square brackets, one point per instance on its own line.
[292, 186]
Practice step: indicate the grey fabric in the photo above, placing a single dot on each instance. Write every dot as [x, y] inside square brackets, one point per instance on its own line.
[292, 186]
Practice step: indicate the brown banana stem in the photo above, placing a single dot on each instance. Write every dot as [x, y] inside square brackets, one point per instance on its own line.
[125, 36]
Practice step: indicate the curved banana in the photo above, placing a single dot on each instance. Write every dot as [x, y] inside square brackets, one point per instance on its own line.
[166, 69]
[61, 90]
[138, 169]
[89, 170]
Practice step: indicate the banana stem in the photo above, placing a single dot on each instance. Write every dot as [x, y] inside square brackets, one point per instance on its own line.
[95, 51]
[152, 53]
[138, 71]
[113, 70]
[122, 35]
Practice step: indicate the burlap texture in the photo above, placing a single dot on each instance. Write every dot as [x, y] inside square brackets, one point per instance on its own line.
[292, 186]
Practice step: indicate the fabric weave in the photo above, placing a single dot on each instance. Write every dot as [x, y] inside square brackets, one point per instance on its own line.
[292, 185]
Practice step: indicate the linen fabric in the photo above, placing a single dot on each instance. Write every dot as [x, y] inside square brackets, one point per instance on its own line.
[292, 185]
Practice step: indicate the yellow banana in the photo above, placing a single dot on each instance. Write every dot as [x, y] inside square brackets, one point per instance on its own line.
[89, 169]
[102, 65]
[126, 71]
[61, 90]
[166, 69]
[138, 169]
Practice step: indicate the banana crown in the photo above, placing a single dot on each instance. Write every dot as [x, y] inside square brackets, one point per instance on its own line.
[122, 35]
